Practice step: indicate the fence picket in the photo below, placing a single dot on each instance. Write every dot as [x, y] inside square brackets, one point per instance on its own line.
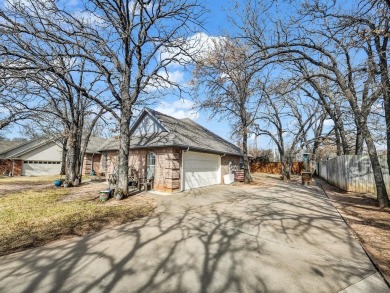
[352, 173]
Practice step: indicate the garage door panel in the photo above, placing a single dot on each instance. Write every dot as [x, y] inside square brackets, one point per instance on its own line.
[201, 170]
[44, 168]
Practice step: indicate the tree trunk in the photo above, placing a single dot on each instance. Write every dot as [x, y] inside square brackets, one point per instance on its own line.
[385, 81]
[381, 192]
[63, 159]
[71, 158]
[248, 177]
[359, 141]
[73, 155]
[285, 168]
[338, 141]
[382, 49]
[123, 156]
[346, 150]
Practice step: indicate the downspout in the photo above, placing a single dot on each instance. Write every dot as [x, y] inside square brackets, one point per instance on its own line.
[220, 168]
[92, 163]
[12, 168]
[182, 169]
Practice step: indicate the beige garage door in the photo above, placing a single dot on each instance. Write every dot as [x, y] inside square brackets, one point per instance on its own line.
[200, 169]
[38, 168]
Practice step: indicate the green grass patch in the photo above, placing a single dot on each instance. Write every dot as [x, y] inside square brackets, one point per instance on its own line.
[33, 218]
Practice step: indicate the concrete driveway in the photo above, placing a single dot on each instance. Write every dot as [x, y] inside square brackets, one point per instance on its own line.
[277, 238]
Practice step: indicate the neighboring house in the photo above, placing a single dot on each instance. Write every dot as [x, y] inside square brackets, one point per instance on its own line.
[36, 157]
[7, 165]
[41, 156]
[178, 154]
[92, 155]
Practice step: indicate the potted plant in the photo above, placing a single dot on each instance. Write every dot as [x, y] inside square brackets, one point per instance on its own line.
[104, 195]
[119, 193]
[57, 183]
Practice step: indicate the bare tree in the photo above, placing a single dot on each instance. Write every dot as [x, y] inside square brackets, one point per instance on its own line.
[228, 83]
[315, 37]
[132, 44]
[287, 119]
[12, 110]
[59, 87]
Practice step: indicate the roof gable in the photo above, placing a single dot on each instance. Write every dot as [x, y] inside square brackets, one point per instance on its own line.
[8, 145]
[147, 124]
[170, 131]
[23, 148]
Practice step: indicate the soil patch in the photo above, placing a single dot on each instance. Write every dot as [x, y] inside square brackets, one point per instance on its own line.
[261, 179]
[11, 188]
[369, 222]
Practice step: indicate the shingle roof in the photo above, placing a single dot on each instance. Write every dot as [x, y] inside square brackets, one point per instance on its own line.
[181, 133]
[94, 144]
[6, 145]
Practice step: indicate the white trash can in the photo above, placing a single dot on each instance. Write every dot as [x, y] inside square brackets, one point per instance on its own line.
[228, 178]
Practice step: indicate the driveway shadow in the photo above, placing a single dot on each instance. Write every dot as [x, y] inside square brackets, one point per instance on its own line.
[218, 239]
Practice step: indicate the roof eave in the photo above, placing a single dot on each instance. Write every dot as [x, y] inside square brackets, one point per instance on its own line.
[182, 146]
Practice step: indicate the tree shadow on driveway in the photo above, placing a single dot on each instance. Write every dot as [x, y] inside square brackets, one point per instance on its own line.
[224, 239]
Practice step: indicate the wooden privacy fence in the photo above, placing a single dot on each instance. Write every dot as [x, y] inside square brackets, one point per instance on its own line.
[352, 173]
[275, 167]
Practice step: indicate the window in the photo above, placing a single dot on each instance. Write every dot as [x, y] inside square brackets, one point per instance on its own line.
[104, 167]
[150, 165]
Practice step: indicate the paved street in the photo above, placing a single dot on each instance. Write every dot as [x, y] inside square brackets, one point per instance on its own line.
[277, 238]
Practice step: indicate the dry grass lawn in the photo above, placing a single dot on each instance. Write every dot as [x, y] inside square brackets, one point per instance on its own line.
[34, 217]
[30, 180]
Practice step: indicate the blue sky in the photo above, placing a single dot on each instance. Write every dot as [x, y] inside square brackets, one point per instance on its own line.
[216, 23]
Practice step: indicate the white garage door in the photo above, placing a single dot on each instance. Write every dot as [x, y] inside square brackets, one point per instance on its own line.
[36, 168]
[201, 169]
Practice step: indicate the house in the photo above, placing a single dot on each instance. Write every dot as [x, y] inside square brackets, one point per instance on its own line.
[7, 165]
[178, 154]
[42, 156]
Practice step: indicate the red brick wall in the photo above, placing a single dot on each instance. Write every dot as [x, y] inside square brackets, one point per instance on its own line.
[88, 163]
[168, 166]
[112, 162]
[275, 167]
[6, 167]
[18, 164]
[225, 164]
[167, 172]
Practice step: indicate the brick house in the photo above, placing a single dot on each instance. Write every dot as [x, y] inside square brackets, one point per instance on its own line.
[9, 166]
[43, 156]
[178, 154]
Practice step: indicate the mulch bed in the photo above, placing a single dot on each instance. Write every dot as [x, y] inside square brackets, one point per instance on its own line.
[370, 223]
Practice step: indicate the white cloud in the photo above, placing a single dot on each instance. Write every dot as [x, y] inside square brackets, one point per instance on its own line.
[179, 109]
[137, 6]
[328, 122]
[173, 76]
[198, 46]
[165, 80]
[88, 17]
